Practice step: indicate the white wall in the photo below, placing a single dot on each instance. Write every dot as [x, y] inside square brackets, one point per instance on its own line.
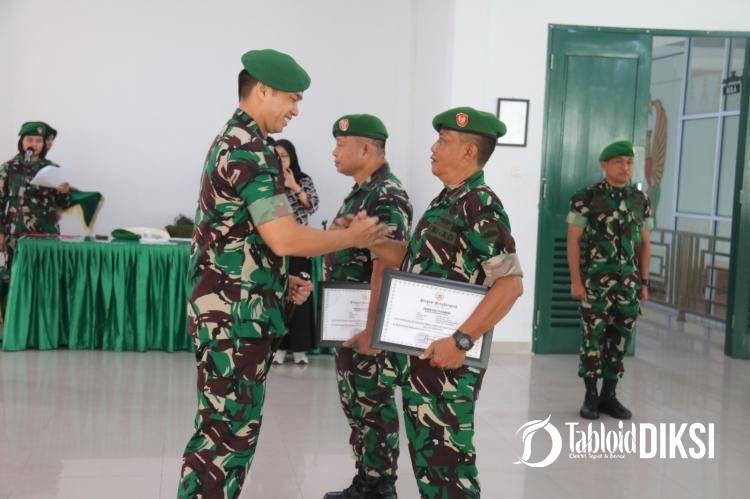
[5, 119]
[139, 89]
[500, 51]
[432, 66]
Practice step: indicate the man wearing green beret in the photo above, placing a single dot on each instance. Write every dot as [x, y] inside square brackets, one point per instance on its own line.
[88, 201]
[368, 404]
[244, 229]
[608, 256]
[464, 235]
[27, 208]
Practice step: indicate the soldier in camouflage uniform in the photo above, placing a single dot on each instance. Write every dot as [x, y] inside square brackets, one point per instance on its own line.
[608, 256]
[244, 229]
[27, 209]
[463, 236]
[369, 406]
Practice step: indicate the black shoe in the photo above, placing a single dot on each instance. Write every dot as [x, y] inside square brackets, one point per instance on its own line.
[359, 489]
[364, 487]
[384, 488]
[608, 403]
[590, 407]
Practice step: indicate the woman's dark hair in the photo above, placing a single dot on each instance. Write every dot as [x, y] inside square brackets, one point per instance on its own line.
[293, 161]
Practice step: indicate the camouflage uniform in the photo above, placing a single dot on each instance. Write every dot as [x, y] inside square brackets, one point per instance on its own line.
[235, 308]
[612, 219]
[27, 209]
[463, 236]
[368, 405]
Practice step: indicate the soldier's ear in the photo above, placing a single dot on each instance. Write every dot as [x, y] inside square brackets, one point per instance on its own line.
[471, 150]
[263, 89]
[366, 147]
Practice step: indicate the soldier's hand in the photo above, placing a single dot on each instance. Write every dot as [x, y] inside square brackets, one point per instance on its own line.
[643, 295]
[361, 342]
[299, 289]
[577, 290]
[342, 222]
[63, 188]
[366, 230]
[444, 354]
[2, 242]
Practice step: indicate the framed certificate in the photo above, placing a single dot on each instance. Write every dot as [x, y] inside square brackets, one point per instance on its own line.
[343, 311]
[415, 310]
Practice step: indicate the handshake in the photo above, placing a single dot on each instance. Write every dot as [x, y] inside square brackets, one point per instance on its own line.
[366, 231]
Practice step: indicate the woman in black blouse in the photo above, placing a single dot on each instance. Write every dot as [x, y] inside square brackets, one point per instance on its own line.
[302, 196]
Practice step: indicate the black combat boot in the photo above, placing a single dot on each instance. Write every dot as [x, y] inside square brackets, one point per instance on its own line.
[608, 403]
[361, 488]
[384, 488]
[590, 407]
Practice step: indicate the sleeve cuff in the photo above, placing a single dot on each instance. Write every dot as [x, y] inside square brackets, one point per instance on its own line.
[503, 265]
[268, 209]
[577, 219]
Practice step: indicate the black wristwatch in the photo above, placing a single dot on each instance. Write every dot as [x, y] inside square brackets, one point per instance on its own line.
[463, 341]
[644, 282]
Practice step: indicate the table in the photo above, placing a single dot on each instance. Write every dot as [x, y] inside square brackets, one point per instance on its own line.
[98, 295]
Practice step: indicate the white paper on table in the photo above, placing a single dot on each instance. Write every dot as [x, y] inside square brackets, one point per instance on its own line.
[49, 176]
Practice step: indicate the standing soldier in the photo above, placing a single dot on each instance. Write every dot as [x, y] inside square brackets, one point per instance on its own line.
[244, 229]
[463, 236]
[367, 403]
[608, 257]
[27, 208]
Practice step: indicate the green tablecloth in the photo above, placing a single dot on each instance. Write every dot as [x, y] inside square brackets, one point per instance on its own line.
[97, 295]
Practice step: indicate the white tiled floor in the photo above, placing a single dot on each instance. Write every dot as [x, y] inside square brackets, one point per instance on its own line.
[113, 425]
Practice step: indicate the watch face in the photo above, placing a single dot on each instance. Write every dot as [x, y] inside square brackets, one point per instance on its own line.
[463, 341]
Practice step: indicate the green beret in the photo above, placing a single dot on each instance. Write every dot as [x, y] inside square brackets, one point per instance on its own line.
[619, 148]
[470, 120]
[51, 132]
[124, 235]
[276, 69]
[360, 125]
[36, 128]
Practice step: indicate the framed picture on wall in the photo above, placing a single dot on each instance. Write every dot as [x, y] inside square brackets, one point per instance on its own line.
[515, 114]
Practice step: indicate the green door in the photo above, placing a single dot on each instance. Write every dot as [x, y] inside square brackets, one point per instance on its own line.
[737, 342]
[597, 92]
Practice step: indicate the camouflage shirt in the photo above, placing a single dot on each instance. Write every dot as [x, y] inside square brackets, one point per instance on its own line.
[464, 236]
[28, 208]
[612, 219]
[380, 196]
[237, 282]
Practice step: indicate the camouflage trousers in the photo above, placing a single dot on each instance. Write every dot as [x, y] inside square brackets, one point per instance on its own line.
[371, 411]
[607, 317]
[439, 420]
[231, 390]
